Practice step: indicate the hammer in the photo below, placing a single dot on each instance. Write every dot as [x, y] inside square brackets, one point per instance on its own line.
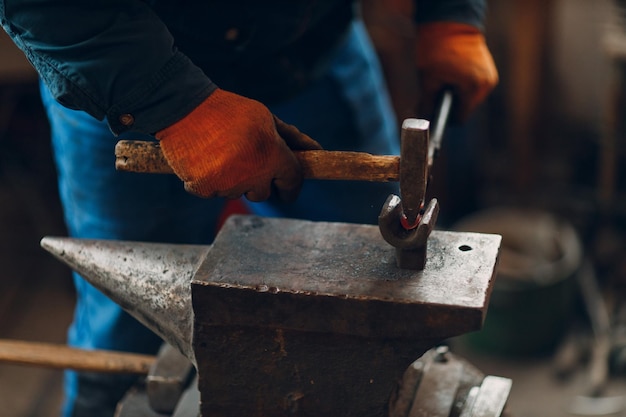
[147, 157]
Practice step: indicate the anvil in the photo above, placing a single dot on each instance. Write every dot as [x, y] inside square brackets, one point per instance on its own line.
[290, 317]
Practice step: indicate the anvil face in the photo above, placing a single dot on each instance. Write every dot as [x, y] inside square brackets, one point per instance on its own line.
[342, 278]
[320, 317]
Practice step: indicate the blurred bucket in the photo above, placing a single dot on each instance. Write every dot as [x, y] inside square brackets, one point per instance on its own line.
[534, 292]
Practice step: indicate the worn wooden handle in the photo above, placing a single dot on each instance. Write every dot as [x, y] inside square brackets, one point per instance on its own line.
[57, 356]
[147, 157]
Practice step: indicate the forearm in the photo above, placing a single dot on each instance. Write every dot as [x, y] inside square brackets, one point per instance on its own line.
[108, 58]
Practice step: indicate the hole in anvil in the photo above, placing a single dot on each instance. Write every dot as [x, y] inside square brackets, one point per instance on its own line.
[465, 248]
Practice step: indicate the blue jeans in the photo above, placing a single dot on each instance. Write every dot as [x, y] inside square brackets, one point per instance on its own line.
[347, 109]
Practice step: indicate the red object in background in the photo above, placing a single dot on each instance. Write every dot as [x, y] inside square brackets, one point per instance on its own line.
[231, 207]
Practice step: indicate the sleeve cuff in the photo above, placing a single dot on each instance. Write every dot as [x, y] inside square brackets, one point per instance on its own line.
[169, 95]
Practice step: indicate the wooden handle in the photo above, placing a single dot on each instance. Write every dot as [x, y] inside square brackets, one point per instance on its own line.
[147, 157]
[50, 355]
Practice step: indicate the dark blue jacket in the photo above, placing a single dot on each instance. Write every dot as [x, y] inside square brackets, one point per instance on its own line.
[157, 60]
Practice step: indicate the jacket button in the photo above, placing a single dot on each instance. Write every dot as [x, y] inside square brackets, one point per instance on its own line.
[127, 119]
[231, 34]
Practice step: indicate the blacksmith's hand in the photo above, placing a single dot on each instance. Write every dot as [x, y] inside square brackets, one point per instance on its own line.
[455, 55]
[231, 146]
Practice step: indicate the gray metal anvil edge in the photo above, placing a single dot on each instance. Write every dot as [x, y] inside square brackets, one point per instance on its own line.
[292, 274]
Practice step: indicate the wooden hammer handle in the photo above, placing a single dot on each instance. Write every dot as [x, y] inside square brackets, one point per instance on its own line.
[147, 157]
[57, 356]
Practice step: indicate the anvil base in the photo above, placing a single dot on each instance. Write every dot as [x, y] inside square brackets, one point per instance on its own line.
[439, 384]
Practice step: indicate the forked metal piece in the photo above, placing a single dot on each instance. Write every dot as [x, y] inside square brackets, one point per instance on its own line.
[410, 244]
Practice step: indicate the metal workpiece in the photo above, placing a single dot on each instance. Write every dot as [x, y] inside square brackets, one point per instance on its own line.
[441, 384]
[410, 244]
[293, 317]
[151, 281]
[167, 379]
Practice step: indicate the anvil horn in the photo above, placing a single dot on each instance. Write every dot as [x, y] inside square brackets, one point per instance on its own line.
[151, 281]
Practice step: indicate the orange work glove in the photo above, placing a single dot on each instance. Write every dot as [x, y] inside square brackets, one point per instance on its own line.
[230, 146]
[454, 55]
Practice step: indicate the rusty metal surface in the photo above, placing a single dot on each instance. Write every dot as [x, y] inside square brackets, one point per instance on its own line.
[441, 384]
[167, 379]
[310, 318]
[266, 372]
[438, 384]
[149, 280]
[342, 278]
[292, 317]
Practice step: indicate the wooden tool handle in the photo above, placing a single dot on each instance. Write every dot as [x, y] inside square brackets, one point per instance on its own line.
[147, 157]
[50, 355]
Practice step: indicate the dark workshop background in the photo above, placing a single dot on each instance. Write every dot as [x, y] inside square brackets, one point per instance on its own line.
[550, 140]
